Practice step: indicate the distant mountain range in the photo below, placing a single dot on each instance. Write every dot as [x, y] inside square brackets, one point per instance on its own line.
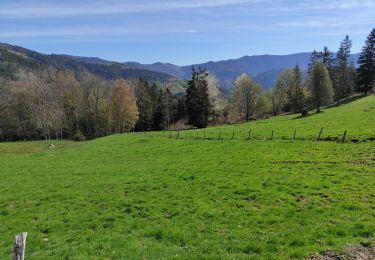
[263, 68]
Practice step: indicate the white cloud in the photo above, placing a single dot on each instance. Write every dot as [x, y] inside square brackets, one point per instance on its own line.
[310, 24]
[97, 31]
[110, 7]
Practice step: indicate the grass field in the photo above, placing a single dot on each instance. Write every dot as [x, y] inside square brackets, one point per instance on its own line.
[357, 118]
[140, 197]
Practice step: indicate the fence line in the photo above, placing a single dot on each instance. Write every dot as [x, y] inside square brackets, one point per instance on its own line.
[203, 135]
[212, 135]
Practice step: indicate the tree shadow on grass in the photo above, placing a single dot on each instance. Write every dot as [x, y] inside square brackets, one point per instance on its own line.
[346, 101]
[310, 114]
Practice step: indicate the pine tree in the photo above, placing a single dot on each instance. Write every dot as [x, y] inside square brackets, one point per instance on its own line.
[366, 70]
[145, 106]
[314, 58]
[158, 122]
[343, 79]
[326, 57]
[320, 86]
[197, 99]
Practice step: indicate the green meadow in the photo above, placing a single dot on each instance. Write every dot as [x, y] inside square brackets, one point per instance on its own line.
[357, 118]
[145, 196]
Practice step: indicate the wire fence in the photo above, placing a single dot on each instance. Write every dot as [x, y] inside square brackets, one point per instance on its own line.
[272, 135]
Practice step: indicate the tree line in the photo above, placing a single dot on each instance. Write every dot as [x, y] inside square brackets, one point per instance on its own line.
[330, 78]
[63, 104]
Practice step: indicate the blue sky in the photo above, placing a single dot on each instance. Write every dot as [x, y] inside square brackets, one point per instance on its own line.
[183, 31]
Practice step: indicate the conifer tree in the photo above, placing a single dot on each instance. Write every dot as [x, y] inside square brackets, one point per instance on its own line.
[326, 57]
[366, 70]
[145, 106]
[344, 72]
[197, 99]
[314, 58]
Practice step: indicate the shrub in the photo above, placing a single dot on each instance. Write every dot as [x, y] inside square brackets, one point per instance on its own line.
[78, 136]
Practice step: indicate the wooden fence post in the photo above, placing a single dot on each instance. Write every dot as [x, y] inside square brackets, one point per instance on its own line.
[295, 133]
[219, 135]
[233, 136]
[344, 136]
[272, 135]
[320, 134]
[19, 246]
[249, 134]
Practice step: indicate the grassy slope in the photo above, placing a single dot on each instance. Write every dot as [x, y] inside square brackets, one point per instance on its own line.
[357, 118]
[140, 197]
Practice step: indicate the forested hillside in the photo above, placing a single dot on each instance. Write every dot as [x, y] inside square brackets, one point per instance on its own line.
[59, 96]
[106, 69]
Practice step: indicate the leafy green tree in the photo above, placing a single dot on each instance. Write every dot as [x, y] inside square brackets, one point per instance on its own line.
[290, 83]
[277, 99]
[320, 86]
[366, 70]
[197, 99]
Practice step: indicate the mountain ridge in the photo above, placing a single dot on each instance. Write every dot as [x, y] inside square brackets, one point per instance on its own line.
[107, 69]
[263, 68]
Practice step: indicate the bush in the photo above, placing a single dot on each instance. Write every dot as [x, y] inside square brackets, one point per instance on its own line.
[79, 137]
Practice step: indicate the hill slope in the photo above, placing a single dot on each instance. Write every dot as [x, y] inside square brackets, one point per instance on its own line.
[142, 197]
[356, 117]
[106, 69]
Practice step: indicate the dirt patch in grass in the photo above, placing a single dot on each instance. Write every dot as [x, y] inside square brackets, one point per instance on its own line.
[350, 253]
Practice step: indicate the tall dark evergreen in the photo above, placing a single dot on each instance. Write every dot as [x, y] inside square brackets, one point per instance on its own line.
[159, 113]
[197, 99]
[344, 72]
[314, 58]
[327, 58]
[366, 70]
[145, 106]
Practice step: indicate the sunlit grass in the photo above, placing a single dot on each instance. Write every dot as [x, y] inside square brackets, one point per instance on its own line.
[139, 197]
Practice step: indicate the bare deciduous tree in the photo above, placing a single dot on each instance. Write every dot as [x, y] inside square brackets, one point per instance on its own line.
[246, 96]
